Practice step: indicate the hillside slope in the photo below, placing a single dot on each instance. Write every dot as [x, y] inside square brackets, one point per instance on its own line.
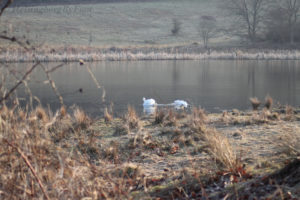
[68, 2]
[113, 24]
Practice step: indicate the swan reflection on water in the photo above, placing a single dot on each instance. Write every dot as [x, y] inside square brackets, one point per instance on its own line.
[149, 110]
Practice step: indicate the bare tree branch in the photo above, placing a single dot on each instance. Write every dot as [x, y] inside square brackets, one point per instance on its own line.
[14, 39]
[249, 14]
[5, 6]
[30, 167]
[52, 83]
[19, 83]
[97, 83]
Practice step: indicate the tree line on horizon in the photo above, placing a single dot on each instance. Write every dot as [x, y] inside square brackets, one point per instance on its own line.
[260, 20]
[273, 21]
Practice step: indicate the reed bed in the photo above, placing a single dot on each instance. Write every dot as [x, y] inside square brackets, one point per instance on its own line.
[111, 54]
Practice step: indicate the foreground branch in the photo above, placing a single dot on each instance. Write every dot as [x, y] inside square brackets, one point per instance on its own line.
[97, 83]
[5, 6]
[19, 83]
[14, 39]
[30, 167]
[52, 83]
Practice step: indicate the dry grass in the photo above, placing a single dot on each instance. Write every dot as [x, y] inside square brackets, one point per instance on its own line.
[121, 129]
[35, 164]
[222, 151]
[171, 118]
[132, 119]
[107, 117]
[289, 113]
[41, 114]
[61, 160]
[81, 119]
[255, 103]
[199, 116]
[289, 144]
[63, 111]
[159, 116]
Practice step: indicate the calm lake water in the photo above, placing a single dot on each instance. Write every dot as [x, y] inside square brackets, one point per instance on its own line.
[213, 85]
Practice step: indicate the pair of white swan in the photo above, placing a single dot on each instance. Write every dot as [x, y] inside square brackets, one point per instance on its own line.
[178, 104]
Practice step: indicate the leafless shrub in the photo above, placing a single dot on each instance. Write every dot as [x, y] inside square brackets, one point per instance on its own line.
[268, 102]
[81, 119]
[255, 103]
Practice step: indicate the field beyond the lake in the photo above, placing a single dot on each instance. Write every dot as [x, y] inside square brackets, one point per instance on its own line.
[110, 24]
[126, 31]
[171, 154]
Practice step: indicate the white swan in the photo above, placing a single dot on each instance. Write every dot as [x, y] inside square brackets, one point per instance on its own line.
[178, 104]
[149, 102]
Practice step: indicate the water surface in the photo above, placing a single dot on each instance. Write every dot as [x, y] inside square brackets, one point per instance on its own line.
[213, 85]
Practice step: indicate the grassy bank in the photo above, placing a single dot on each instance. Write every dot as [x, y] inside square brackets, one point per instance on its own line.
[172, 154]
[70, 54]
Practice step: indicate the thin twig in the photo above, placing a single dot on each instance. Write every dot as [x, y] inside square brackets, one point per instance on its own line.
[28, 90]
[97, 83]
[30, 167]
[14, 39]
[5, 6]
[19, 82]
[52, 83]
[55, 68]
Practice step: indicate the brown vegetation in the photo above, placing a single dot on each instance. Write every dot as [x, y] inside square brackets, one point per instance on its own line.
[42, 155]
[255, 103]
[268, 102]
[107, 117]
[82, 120]
[132, 119]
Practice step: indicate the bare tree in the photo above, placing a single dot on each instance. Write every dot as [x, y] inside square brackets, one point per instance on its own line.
[275, 24]
[282, 20]
[249, 13]
[207, 28]
[291, 9]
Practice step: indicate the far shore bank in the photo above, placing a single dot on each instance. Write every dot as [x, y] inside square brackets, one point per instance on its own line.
[192, 52]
